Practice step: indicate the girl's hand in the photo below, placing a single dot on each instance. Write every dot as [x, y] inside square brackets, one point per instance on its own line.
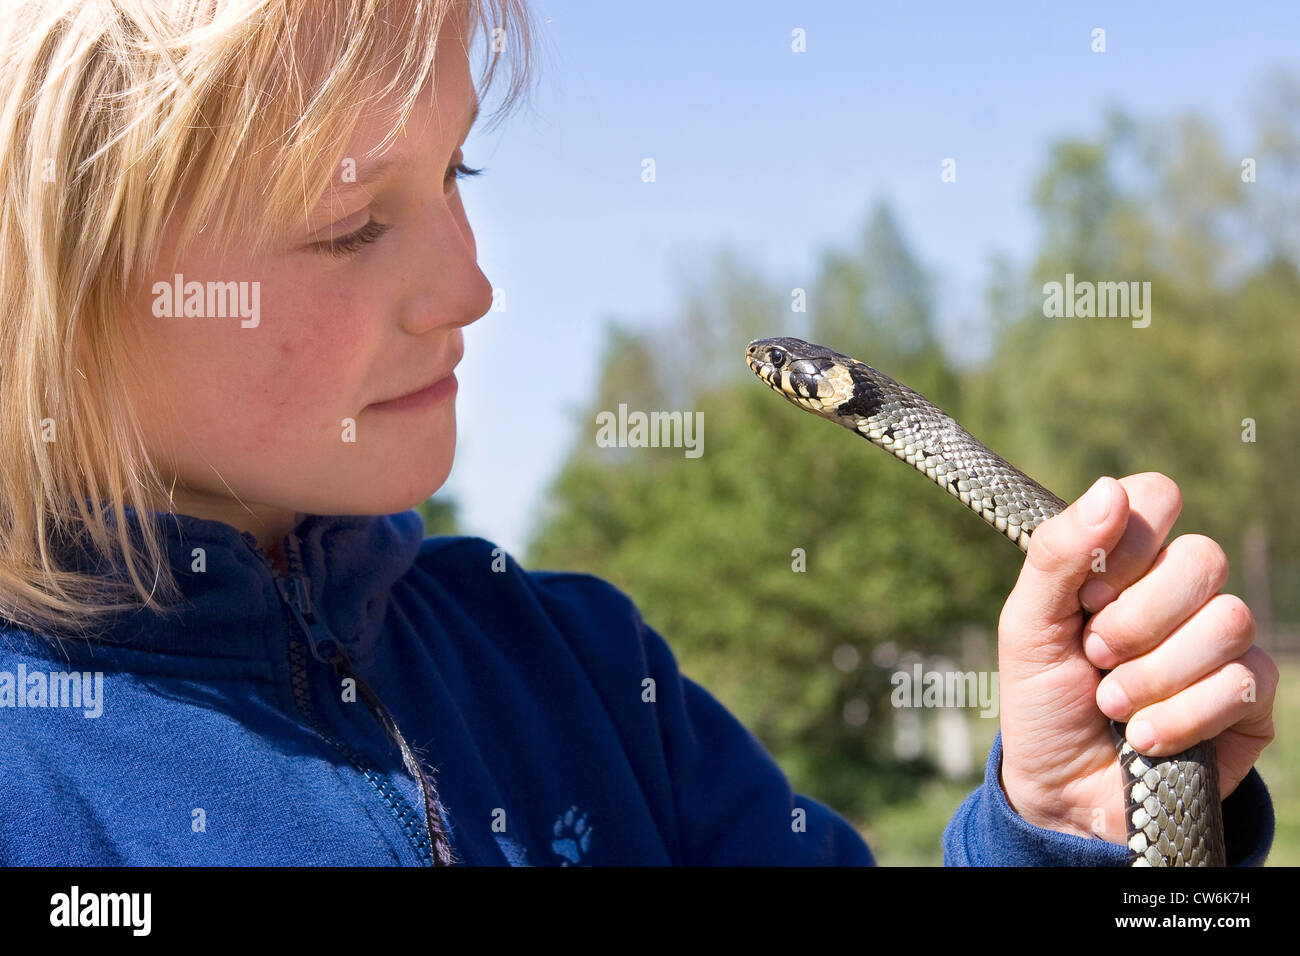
[1182, 663]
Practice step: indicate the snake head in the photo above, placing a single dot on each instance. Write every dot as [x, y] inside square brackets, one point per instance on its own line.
[811, 376]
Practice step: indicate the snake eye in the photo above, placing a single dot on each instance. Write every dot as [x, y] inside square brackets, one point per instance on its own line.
[776, 357]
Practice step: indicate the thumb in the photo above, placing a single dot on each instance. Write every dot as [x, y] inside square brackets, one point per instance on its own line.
[1062, 552]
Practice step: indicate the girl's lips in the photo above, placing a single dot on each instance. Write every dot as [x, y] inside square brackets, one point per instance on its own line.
[436, 393]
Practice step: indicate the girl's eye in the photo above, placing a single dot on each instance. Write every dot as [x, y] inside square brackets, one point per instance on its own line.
[461, 172]
[353, 242]
[348, 245]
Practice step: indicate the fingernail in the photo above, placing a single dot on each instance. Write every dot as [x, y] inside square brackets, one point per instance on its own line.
[1098, 652]
[1115, 704]
[1140, 735]
[1095, 505]
[1096, 594]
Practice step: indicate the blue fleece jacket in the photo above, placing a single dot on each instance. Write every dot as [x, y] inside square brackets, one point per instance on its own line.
[555, 724]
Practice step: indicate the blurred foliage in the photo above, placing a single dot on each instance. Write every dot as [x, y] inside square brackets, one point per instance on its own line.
[705, 546]
[439, 514]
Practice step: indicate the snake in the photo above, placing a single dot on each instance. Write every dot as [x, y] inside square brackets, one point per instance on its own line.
[1172, 809]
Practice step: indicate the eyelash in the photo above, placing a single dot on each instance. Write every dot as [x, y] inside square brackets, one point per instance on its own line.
[353, 242]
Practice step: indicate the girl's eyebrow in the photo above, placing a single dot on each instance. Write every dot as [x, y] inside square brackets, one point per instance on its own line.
[379, 168]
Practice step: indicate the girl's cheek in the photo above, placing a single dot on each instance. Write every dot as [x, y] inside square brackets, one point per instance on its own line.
[281, 388]
[311, 368]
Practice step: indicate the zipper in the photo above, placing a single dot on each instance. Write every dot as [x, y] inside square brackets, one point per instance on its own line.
[431, 843]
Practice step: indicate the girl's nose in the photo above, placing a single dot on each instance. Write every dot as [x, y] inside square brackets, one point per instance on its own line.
[456, 292]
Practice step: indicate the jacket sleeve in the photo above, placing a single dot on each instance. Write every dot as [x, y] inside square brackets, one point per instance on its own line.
[718, 797]
[985, 831]
[735, 806]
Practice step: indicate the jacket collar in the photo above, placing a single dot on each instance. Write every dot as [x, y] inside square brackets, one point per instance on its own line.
[231, 606]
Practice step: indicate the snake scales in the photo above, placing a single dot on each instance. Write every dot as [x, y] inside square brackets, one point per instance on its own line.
[1172, 804]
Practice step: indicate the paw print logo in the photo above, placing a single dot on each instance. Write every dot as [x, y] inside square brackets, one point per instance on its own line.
[572, 836]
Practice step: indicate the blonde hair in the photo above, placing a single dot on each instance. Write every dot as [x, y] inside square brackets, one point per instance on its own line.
[116, 115]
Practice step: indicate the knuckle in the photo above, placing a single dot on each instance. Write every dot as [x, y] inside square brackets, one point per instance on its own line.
[1237, 630]
[1274, 675]
[1207, 556]
[1263, 665]
[1239, 674]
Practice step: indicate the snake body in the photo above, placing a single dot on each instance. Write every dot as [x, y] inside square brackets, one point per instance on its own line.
[1172, 807]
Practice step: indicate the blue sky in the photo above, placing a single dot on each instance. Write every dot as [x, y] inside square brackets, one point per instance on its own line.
[778, 156]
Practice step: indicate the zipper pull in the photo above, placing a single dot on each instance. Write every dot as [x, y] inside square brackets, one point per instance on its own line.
[297, 597]
[296, 594]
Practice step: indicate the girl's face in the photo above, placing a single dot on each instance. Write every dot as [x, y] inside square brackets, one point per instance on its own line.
[287, 407]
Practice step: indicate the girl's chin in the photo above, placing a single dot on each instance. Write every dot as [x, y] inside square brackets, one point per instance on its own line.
[409, 488]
